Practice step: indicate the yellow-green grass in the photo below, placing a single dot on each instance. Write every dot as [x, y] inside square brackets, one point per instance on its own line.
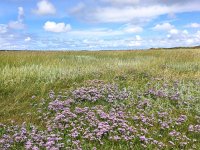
[27, 73]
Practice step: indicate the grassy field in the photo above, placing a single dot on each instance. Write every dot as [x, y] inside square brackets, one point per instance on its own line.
[156, 91]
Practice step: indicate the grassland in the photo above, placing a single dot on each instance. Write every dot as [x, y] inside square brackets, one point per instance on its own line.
[26, 77]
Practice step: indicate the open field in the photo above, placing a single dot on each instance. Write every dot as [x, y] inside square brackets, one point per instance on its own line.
[104, 99]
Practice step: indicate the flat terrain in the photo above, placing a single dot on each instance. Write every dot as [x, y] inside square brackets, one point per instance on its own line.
[154, 96]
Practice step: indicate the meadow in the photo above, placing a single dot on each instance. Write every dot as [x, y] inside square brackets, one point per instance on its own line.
[142, 99]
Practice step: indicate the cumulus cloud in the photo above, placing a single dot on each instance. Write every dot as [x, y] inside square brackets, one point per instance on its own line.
[27, 39]
[163, 27]
[56, 27]
[18, 25]
[173, 31]
[194, 25]
[44, 7]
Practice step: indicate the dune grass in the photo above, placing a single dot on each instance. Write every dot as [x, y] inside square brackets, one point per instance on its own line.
[26, 77]
[23, 74]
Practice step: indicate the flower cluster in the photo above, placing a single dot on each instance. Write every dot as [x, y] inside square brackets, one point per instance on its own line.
[194, 128]
[30, 137]
[98, 90]
[162, 93]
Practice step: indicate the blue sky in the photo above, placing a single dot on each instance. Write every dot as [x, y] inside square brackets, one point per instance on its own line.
[98, 24]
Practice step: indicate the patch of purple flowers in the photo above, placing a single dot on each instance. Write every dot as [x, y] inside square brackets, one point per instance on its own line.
[97, 90]
[71, 125]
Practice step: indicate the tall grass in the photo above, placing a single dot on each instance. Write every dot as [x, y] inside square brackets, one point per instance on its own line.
[24, 74]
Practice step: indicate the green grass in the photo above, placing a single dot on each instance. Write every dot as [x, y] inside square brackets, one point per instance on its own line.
[23, 74]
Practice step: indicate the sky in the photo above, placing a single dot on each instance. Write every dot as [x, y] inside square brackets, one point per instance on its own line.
[98, 24]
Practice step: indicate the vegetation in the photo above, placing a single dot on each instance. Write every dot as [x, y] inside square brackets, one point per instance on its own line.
[143, 99]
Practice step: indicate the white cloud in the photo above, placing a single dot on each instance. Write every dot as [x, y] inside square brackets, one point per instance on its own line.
[18, 25]
[198, 34]
[97, 43]
[44, 7]
[106, 32]
[134, 13]
[27, 39]
[20, 13]
[96, 32]
[138, 38]
[126, 14]
[126, 43]
[3, 28]
[173, 31]
[13, 40]
[163, 26]
[121, 2]
[56, 27]
[190, 41]
[168, 35]
[185, 32]
[134, 42]
[183, 38]
[132, 29]
[194, 25]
